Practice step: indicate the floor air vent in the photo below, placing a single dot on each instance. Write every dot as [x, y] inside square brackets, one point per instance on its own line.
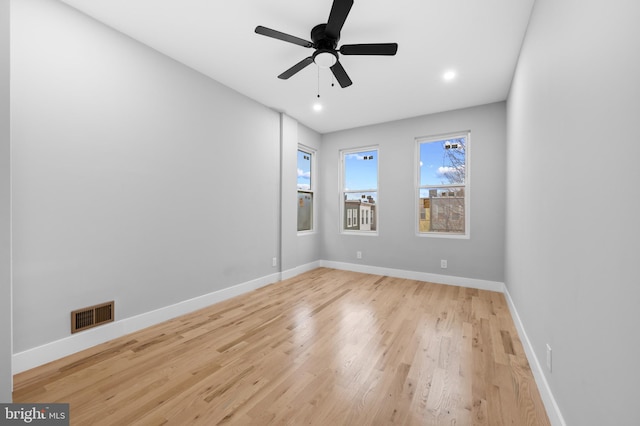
[92, 316]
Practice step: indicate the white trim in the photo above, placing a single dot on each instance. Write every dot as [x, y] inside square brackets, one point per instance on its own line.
[466, 186]
[443, 235]
[290, 273]
[40, 355]
[553, 410]
[312, 186]
[341, 191]
[415, 275]
[48, 352]
[550, 404]
[361, 233]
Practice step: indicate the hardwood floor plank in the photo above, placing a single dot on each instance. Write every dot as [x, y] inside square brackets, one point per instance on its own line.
[324, 347]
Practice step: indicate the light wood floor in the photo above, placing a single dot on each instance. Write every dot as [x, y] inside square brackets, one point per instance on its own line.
[327, 347]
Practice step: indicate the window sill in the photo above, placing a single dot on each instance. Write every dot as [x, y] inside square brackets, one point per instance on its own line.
[443, 235]
[361, 233]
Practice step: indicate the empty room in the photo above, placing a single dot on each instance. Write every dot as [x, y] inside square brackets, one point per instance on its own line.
[323, 212]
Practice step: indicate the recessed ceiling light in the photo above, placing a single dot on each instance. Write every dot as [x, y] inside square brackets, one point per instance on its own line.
[449, 75]
[317, 107]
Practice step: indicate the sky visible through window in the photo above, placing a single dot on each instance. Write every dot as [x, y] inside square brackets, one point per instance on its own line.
[304, 170]
[442, 166]
[361, 170]
[438, 165]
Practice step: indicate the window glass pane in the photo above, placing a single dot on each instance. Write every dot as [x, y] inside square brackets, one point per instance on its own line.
[443, 162]
[360, 211]
[361, 170]
[360, 189]
[305, 211]
[304, 170]
[442, 210]
[442, 172]
[305, 190]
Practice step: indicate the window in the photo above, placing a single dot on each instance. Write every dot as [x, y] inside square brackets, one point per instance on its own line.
[359, 190]
[305, 189]
[442, 189]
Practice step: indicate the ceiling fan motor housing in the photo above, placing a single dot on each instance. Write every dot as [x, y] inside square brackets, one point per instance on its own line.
[325, 55]
[321, 40]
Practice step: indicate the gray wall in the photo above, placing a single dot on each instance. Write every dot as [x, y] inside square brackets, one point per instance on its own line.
[573, 235]
[5, 210]
[397, 246]
[297, 249]
[134, 177]
[139, 180]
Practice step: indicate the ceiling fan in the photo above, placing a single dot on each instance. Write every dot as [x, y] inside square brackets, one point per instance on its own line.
[325, 41]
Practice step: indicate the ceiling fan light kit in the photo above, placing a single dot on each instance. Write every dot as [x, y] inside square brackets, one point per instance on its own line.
[325, 39]
[325, 58]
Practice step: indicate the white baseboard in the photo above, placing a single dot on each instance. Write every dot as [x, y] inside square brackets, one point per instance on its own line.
[414, 275]
[40, 355]
[290, 273]
[48, 352]
[550, 404]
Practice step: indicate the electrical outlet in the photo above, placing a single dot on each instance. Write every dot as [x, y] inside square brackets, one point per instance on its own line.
[274, 262]
[443, 264]
[549, 358]
[359, 255]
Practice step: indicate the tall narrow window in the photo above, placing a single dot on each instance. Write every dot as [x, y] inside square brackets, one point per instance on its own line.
[359, 192]
[305, 189]
[442, 187]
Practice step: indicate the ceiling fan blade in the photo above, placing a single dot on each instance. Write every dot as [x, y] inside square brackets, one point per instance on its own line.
[282, 36]
[341, 75]
[339, 11]
[389, 49]
[297, 67]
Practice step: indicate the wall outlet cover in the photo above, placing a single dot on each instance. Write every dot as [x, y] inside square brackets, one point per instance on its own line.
[549, 358]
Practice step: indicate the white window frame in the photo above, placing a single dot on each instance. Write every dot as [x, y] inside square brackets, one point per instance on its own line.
[312, 187]
[467, 185]
[341, 191]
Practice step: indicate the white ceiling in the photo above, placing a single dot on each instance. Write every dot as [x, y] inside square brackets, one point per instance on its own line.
[479, 39]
